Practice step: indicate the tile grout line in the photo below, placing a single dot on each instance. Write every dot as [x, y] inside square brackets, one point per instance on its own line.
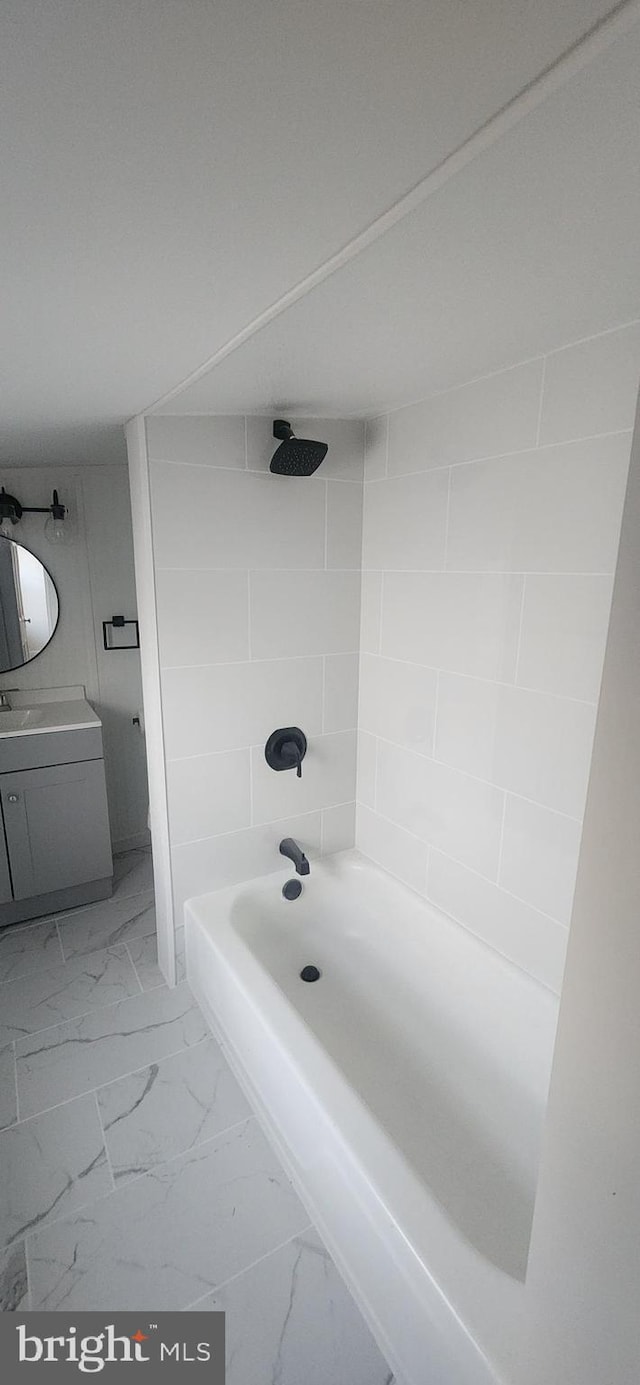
[238, 1275]
[134, 1072]
[485, 457]
[126, 1183]
[476, 778]
[86, 1014]
[462, 865]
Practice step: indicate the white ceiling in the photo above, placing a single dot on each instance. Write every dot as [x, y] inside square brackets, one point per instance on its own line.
[533, 244]
[172, 167]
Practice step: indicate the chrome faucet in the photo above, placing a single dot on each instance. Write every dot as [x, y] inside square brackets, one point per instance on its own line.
[295, 853]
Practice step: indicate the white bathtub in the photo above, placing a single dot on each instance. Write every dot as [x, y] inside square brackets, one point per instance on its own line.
[405, 1092]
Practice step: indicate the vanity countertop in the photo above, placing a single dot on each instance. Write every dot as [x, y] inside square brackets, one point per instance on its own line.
[75, 714]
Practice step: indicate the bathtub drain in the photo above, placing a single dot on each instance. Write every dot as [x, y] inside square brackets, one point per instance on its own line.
[309, 974]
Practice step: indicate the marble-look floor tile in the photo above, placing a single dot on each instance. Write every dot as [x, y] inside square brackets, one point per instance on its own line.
[105, 924]
[290, 1318]
[181, 959]
[64, 992]
[51, 1165]
[29, 947]
[168, 1237]
[144, 955]
[168, 1108]
[8, 1104]
[132, 872]
[85, 1053]
[14, 1288]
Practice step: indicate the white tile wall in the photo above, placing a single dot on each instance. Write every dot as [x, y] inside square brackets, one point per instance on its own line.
[491, 523]
[467, 611]
[258, 599]
[481, 419]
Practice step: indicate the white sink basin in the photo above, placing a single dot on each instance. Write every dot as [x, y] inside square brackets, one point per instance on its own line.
[73, 715]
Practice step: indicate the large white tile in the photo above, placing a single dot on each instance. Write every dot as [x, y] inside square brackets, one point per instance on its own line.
[344, 525]
[468, 624]
[108, 923]
[344, 436]
[14, 1287]
[304, 613]
[556, 509]
[215, 862]
[371, 612]
[162, 1240]
[532, 743]
[530, 939]
[398, 702]
[338, 828]
[208, 794]
[84, 1053]
[540, 857]
[445, 808]
[8, 1106]
[328, 777]
[51, 1165]
[235, 519]
[235, 705]
[376, 437]
[28, 947]
[392, 848]
[207, 440]
[366, 769]
[203, 617]
[405, 522]
[290, 1319]
[564, 633]
[481, 419]
[85, 983]
[592, 387]
[340, 692]
[167, 1108]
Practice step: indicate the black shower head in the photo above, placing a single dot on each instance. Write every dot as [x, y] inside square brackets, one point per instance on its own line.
[295, 456]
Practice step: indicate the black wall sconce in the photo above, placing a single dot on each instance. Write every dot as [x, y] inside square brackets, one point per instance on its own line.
[57, 530]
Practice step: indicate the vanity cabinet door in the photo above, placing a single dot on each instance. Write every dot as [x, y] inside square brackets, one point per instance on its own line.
[6, 893]
[57, 827]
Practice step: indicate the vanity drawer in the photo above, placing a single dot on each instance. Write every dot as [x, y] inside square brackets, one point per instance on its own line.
[50, 748]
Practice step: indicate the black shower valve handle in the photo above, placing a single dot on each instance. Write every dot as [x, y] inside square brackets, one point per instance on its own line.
[292, 753]
[286, 749]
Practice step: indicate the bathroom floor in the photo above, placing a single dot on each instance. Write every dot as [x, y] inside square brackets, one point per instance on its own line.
[133, 1173]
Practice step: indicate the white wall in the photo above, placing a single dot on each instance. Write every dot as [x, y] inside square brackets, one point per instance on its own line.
[583, 1285]
[491, 525]
[257, 603]
[95, 580]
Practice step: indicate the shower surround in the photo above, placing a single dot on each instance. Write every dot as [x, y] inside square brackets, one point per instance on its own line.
[491, 524]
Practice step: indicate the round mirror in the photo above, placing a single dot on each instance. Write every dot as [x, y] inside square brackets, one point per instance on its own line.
[28, 605]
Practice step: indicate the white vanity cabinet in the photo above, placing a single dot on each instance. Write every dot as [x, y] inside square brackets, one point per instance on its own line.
[55, 846]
